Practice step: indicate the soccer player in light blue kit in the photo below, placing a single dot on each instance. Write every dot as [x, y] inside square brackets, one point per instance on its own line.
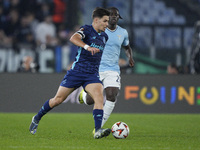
[109, 69]
[91, 41]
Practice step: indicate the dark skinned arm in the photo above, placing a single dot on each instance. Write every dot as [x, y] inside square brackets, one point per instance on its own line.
[129, 54]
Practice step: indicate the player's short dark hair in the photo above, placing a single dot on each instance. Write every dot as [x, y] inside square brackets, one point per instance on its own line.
[110, 8]
[100, 12]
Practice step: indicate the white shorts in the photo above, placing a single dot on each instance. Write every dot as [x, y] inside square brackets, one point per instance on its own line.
[110, 79]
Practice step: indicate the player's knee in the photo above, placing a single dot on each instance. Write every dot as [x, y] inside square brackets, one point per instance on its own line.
[98, 99]
[111, 96]
[98, 95]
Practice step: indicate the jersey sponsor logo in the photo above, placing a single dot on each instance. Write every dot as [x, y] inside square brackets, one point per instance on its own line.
[97, 46]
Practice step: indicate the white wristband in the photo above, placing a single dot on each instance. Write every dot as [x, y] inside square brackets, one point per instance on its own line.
[86, 46]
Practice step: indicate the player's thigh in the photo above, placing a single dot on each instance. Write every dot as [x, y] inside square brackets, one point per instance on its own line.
[60, 96]
[63, 92]
[95, 90]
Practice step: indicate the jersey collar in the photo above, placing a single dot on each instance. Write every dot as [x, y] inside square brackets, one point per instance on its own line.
[95, 30]
[112, 30]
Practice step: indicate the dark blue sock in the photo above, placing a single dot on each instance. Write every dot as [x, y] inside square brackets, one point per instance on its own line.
[98, 115]
[45, 108]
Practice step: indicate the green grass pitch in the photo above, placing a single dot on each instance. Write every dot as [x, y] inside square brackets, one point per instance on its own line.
[73, 131]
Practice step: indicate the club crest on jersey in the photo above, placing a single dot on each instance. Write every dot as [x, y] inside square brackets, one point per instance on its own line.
[119, 36]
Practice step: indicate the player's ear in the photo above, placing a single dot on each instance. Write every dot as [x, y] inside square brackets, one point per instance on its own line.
[96, 19]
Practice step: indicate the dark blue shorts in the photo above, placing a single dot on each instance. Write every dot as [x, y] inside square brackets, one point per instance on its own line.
[75, 79]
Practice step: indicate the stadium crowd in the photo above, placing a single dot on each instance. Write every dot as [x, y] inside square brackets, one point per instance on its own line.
[43, 23]
[32, 23]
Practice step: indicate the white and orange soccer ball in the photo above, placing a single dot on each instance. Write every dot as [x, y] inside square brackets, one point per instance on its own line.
[120, 130]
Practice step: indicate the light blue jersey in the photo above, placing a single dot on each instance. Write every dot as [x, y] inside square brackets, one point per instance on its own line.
[110, 57]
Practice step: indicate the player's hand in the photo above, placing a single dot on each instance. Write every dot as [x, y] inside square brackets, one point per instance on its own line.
[93, 50]
[131, 62]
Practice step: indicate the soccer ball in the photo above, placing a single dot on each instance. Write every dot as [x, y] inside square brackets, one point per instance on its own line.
[120, 130]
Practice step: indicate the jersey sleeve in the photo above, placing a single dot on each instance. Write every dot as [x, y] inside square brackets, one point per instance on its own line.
[126, 40]
[83, 31]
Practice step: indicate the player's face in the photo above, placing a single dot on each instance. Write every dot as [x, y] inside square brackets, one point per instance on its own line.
[103, 23]
[114, 17]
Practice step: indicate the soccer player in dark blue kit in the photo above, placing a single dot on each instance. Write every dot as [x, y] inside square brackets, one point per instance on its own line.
[84, 72]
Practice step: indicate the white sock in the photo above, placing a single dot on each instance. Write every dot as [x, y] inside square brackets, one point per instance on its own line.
[108, 108]
[84, 97]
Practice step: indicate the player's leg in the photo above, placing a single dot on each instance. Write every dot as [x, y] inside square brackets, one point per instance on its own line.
[95, 90]
[60, 96]
[111, 82]
[111, 96]
[85, 98]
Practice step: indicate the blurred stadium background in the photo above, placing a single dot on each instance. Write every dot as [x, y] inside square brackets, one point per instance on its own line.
[161, 32]
[164, 35]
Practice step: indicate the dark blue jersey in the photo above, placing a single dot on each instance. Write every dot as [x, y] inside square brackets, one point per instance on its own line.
[85, 62]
